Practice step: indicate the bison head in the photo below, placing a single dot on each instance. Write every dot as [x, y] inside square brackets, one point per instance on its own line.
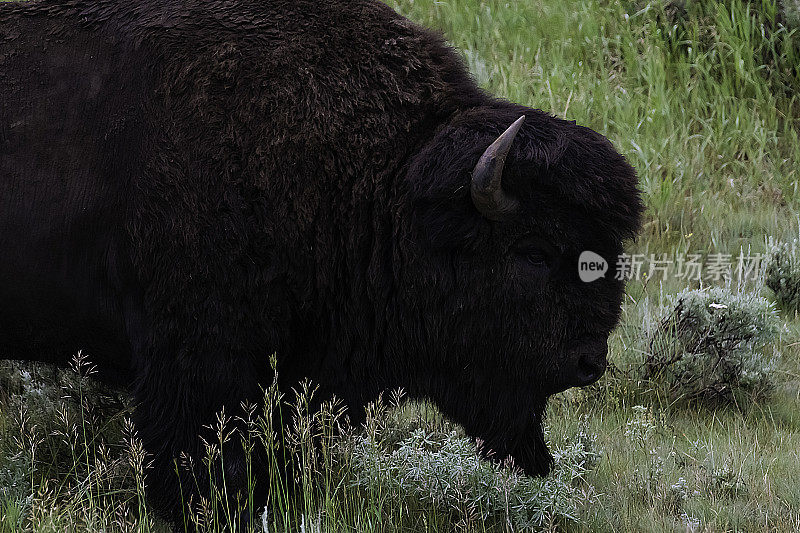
[493, 214]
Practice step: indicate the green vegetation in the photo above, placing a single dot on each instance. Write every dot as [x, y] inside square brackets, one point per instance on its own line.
[71, 462]
[782, 274]
[712, 345]
[701, 97]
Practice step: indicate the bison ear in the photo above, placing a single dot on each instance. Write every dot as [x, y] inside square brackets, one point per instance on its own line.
[487, 192]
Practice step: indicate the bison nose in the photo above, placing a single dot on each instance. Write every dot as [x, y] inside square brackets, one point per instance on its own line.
[589, 361]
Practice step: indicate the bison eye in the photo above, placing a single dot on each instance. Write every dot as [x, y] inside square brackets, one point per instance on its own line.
[534, 252]
[536, 258]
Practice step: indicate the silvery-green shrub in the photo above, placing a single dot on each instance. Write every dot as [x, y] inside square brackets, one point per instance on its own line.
[782, 273]
[713, 344]
[438, 469]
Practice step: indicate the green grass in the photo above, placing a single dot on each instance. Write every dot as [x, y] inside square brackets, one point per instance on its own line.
[703, 104]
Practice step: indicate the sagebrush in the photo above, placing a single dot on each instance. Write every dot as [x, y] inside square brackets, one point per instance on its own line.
[713, 344]
[782, 273]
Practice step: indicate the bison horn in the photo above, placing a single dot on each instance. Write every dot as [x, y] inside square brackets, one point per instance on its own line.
[487, 191]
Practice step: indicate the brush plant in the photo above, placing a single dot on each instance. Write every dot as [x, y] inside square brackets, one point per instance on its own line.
[713, 344]
[441, 471]
[782, 273]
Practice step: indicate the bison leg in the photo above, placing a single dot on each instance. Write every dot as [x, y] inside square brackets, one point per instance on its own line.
[193, 459]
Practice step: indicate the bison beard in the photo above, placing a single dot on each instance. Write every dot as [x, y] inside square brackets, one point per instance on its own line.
[522, 442]
[187, 187]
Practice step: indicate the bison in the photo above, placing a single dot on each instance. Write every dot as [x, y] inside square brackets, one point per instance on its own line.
[189, 186]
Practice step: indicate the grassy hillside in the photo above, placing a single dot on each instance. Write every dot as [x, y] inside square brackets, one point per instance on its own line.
[702, 99]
